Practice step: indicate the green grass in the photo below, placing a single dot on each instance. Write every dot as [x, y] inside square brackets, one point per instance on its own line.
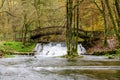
[18, 46]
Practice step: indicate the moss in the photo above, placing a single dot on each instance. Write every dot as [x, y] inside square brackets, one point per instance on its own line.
[72, 56]
[7, 49]
[17, 46]
[118, 51]
[111, 57]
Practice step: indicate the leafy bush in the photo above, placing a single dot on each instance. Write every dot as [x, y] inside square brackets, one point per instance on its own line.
[118, 51]
[111, 57]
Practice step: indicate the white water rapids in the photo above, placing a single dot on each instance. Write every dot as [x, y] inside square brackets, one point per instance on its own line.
[55, 49]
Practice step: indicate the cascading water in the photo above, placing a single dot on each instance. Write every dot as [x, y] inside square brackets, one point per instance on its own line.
[55, 49]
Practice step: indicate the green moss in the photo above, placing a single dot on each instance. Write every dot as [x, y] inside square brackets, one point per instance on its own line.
[17, 46]
[118, 51]
[72, 56]
[111, 57]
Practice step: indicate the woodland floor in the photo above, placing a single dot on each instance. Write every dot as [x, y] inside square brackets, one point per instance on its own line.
[98, 46]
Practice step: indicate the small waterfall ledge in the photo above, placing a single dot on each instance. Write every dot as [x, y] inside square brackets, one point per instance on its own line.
[54, 49]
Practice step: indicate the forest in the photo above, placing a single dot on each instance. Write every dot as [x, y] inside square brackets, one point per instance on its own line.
[94, 23]
[59, 39]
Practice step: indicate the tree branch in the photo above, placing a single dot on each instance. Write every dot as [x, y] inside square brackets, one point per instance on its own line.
[97, 6]
[78, 4]
[7, 13]
[2, 4]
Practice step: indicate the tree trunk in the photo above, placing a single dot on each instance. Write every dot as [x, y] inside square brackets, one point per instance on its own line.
[72, 27]
[112, 20]
[69, 26]
[105, 22]
[117, 5]
[103, 13]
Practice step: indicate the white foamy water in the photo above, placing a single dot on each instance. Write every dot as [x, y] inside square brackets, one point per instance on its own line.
[55, 49]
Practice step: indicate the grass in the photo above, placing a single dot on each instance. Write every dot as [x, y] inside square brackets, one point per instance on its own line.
[17, 46]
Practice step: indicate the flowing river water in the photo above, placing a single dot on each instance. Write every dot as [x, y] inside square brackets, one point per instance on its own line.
[56, 68]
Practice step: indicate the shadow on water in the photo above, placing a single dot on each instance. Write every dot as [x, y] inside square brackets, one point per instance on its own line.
[94, 74]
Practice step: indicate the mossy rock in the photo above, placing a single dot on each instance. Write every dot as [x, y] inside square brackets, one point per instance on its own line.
[111, 57]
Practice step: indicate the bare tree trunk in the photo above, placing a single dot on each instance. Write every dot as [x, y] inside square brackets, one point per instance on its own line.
[117, 5]
[112, 20]
[77, 25]
[2, 3]
[72, 27]
[103, 13]
[105, 22]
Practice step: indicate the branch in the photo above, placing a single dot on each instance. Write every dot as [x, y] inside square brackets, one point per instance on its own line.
[7, 13]
[97, 6]
[2, 4]
[78, 4]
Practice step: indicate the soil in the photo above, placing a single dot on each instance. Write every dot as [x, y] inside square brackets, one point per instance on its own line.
[98, 46]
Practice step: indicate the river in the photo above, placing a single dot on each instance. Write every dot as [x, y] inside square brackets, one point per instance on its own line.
[42, 68]
[47, 65]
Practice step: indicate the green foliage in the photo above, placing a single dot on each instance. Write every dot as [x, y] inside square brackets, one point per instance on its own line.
[118, 51]
[18, 46]
[111, 57]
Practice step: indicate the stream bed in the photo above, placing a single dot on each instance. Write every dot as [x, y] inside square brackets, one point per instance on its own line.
[86, 68]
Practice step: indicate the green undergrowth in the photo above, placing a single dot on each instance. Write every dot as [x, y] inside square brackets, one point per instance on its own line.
[17, 46]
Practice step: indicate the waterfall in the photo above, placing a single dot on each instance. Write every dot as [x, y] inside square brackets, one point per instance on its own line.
[54, 49]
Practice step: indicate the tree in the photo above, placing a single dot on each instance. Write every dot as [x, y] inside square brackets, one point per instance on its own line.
[110, 11]
[2, 3]
[117, 9]
[72, 8]
[27, 20]
[102, 10]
